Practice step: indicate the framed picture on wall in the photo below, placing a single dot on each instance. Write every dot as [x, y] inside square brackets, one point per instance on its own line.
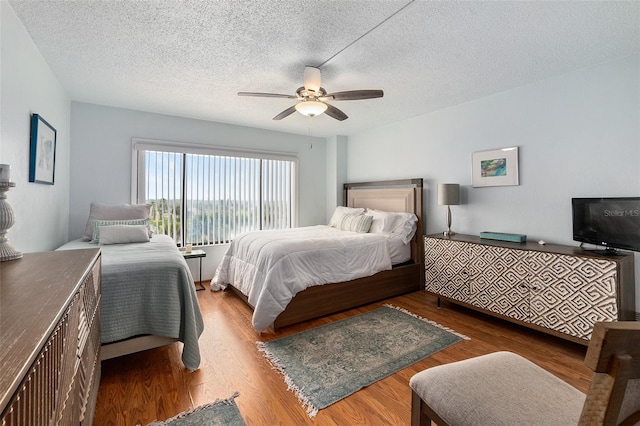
[497, 167]
[42, 155]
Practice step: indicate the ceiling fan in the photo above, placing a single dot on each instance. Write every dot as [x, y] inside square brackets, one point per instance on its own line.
[312, 97]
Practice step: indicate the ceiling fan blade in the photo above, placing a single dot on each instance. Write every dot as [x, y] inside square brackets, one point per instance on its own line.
[334, 112]
[312, 78]
[287, 112]
[267, 95]
[354, 95]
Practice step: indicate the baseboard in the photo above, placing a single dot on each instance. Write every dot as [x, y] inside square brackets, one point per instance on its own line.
[637, 316]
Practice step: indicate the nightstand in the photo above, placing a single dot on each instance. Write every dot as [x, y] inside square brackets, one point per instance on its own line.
[193, 255]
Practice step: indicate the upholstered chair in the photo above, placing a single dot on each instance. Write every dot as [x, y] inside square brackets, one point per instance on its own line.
[503, 388]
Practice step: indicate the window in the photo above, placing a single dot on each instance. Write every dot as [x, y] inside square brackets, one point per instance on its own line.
[203, 195]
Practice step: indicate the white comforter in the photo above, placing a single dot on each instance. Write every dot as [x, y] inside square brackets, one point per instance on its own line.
[270, 267]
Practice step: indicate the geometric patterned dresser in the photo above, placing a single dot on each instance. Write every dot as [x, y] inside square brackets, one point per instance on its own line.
[557, 289]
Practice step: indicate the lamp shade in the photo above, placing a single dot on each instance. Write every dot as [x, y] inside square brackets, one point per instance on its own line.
[311, 108]
[448, 194]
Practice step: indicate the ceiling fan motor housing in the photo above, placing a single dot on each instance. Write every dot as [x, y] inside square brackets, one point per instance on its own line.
[312, 78]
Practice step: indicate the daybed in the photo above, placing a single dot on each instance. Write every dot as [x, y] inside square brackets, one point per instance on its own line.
[148, 296]
[307, 294]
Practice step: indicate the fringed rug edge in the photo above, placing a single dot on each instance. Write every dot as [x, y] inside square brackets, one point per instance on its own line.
[278, 366]
[178, 416]
[445, 328]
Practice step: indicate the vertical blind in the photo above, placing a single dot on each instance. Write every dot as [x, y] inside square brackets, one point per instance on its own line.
[204, 199]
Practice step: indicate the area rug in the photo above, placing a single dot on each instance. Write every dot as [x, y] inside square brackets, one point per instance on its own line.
[328, 363]
[221, 412]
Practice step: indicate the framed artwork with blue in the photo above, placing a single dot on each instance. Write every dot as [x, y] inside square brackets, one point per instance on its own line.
[497, 167]
[42, 155]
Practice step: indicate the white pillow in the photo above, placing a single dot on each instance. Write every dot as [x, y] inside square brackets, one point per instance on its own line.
[397, 223]
[356, 223]
[381, 221]
[340, 212]
[98, 225]
[407, 228]
[100, 211]
[123, 234]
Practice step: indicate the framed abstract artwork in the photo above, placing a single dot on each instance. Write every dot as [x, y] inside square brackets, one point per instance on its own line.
[42, 156]
[497, 167]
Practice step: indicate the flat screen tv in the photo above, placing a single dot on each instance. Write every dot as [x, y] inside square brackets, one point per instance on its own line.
[613, 223]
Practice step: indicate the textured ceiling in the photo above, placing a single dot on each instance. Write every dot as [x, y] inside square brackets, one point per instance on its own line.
[190, 58]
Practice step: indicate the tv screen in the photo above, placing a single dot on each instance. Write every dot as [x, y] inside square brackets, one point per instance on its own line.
[609, 222]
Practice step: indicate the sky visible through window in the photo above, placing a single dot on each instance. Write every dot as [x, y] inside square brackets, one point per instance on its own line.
[223, 196]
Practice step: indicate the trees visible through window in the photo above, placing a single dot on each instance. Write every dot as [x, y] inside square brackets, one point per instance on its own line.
[203, 199]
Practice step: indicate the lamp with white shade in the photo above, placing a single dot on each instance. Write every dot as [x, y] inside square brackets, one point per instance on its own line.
[448, 195]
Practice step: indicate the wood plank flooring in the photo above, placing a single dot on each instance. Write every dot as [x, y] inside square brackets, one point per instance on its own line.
[153, 385]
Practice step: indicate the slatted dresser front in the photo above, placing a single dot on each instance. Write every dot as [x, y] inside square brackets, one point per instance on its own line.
[50, 338]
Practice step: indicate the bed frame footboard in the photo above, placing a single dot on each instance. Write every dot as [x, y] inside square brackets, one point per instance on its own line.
[322, 300]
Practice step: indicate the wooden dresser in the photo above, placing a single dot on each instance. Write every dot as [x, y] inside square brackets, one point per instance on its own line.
[50, 338]
[560, 290]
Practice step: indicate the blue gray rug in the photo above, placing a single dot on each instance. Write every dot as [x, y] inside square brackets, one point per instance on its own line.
[328, 363]
[221, 412]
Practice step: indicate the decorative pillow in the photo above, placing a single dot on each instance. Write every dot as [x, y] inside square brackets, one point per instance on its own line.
[341, 211]
[99, 224]
[100, 211]
[123, 234]
[355, 223]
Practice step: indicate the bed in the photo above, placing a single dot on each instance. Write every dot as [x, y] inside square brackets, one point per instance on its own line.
[311, 296]
[148, 298]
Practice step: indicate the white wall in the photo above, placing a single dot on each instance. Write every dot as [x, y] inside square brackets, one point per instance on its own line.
[578, 133]
[28, 86]
[101, 160]
[336, 172]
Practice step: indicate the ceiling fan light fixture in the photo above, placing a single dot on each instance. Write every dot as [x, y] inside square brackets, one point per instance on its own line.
[311, 108]
[311, 97]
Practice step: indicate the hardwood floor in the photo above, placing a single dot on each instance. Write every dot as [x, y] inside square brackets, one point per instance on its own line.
[153, 385]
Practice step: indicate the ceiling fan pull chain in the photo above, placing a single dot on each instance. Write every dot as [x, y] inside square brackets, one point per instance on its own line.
[310, 140]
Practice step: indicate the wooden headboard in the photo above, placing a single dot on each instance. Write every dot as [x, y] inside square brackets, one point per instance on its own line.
[392, 196]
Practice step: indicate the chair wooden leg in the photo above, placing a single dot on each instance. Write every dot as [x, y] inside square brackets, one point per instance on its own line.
[418, 417]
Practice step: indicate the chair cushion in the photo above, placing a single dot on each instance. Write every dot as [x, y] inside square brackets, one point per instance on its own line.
[501, 388]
